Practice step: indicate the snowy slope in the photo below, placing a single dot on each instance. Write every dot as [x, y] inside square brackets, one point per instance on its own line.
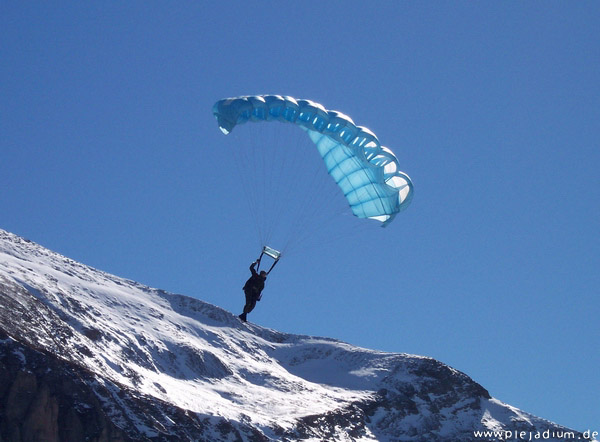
[128, 341]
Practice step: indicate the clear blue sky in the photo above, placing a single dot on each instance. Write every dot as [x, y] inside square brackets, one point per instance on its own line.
[111, 156]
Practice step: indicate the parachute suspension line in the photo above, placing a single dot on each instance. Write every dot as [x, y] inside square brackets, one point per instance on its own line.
[284, 158]
[289, 190]
[315, 198]
[335, 196]
[295, 202]
[326, 209]
[241, 151]
[321, 196]
[258, 162]
[271, 169]
[308, 236]
[259, 185]
[264, 191]
[266, 166]
[288, 209]
[276, 169]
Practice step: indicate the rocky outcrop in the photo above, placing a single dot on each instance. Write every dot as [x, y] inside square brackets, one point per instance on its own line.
[45, 399]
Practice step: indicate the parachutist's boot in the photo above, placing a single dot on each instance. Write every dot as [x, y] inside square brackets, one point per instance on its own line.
[242, 317]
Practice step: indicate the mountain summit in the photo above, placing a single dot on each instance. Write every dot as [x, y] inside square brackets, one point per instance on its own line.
[86, 355]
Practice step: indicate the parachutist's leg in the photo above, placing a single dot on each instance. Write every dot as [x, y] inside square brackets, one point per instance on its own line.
[250, 304]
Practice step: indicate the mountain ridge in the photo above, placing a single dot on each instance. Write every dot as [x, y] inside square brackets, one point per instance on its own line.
[150, 365]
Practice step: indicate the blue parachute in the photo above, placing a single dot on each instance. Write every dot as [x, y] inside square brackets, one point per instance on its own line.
[367, 172]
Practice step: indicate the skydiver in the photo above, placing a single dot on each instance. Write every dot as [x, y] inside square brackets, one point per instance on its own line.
[252, 289]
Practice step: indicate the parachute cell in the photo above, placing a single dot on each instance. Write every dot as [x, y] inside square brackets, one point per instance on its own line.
[367, 173]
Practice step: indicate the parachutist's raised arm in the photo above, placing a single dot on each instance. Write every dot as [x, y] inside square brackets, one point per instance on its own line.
[252, 268]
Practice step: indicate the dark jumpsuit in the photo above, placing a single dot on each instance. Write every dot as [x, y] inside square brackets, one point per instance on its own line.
[252, 289]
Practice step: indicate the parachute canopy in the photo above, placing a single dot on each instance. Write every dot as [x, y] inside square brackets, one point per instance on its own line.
[367, 172]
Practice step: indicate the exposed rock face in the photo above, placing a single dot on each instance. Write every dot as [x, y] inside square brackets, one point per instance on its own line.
[46, 399]
[88, 356]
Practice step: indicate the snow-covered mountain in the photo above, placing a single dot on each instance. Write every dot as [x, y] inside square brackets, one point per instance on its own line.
[86, 355]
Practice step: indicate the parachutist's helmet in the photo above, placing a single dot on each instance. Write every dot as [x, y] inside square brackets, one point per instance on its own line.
[263, 274]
